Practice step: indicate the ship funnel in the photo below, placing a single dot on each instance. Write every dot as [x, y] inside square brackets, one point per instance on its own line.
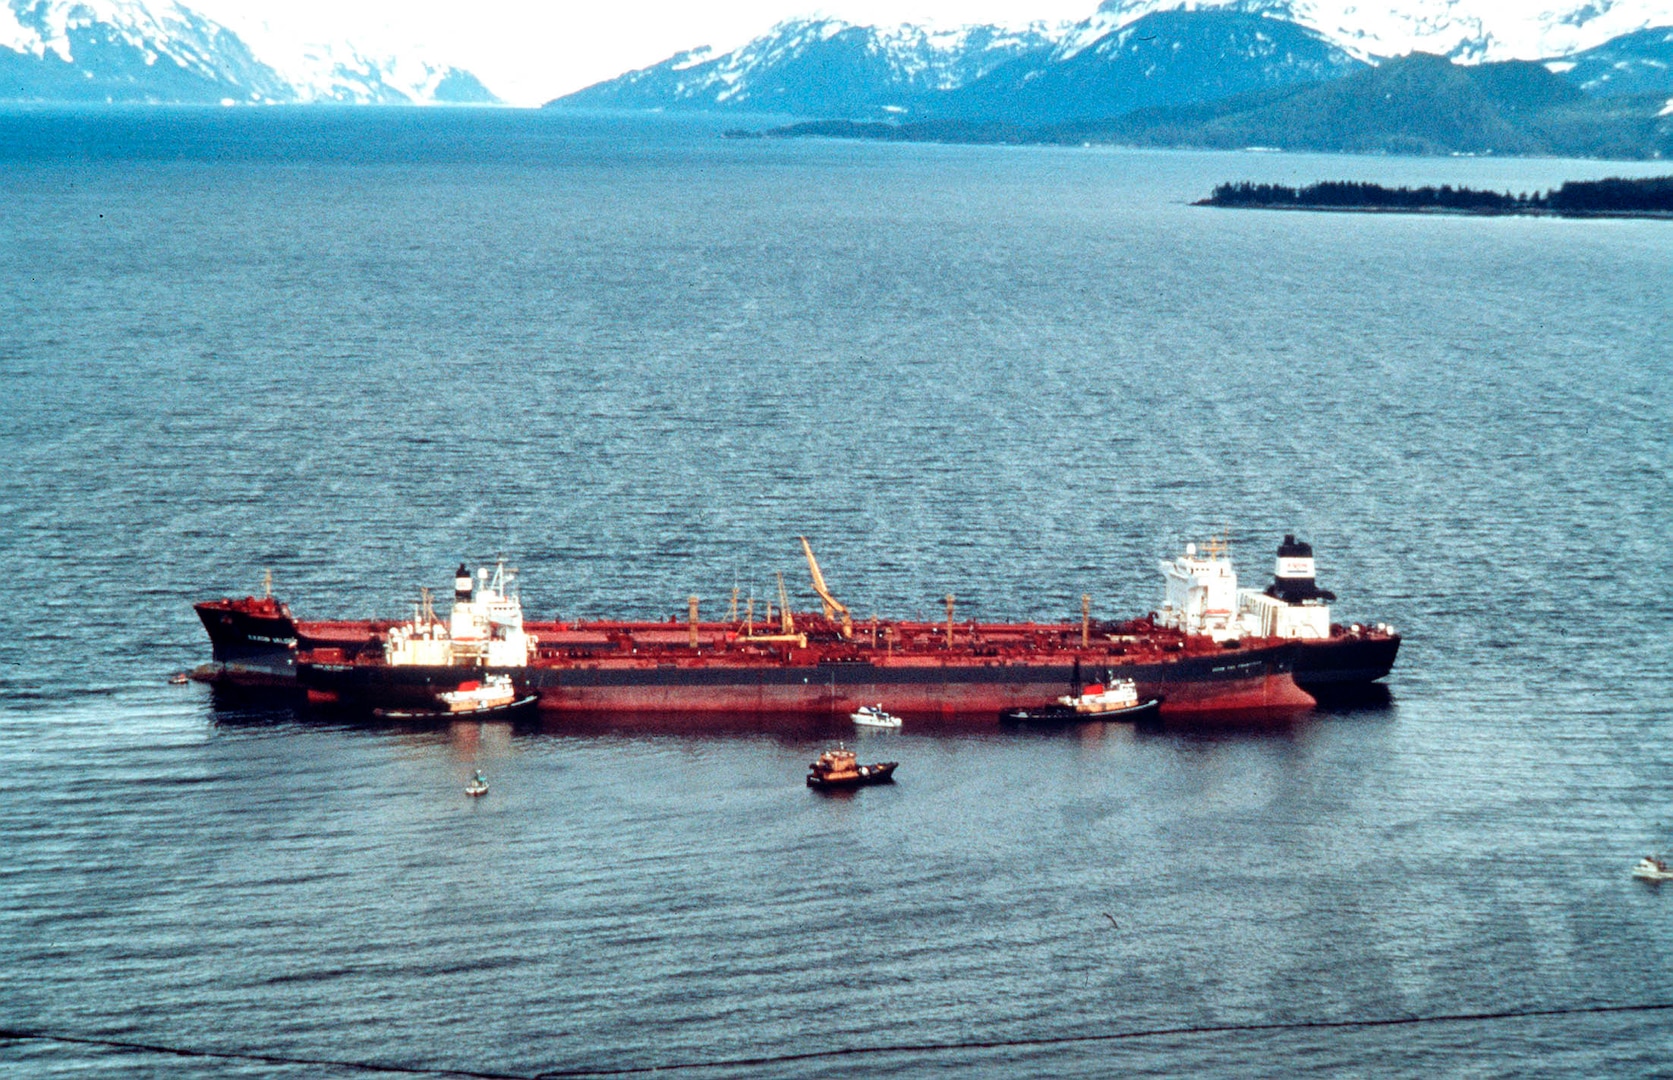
[461, 584]
[1293, 575]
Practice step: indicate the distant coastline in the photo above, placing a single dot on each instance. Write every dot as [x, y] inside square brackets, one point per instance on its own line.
[1650, 197]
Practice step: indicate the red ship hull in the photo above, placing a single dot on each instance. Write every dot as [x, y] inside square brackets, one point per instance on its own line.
[606, 669]
[1262, 683]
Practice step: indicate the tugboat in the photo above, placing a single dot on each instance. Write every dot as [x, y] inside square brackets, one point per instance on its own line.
[873, 716]
[474, 697]
[1117, 701]
[840, 769]
[1652, 868]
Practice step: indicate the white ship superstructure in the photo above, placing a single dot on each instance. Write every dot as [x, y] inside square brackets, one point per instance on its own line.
[1203, 598]
[1202, 594]
[484, 628]
[1293, 606]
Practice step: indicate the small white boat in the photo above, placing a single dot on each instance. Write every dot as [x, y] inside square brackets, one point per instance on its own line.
[874, 716]
[1652, 868]
[478, 786]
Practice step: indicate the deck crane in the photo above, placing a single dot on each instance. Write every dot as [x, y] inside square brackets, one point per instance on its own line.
[834, 608]
[786, 635]
[786, 623]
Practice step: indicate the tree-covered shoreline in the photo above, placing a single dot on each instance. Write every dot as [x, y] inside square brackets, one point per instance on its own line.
[1650, 196]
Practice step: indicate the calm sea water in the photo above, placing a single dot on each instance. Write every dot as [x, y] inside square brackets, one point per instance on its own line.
[639, 360]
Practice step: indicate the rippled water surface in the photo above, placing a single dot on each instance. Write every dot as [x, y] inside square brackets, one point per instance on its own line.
[639, 360]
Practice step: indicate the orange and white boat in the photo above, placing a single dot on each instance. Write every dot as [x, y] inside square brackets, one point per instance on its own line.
[839, 768]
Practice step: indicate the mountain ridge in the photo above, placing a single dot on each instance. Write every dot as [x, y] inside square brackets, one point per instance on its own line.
[161, 51]
[1418, 104]
[1098, 66]
[820, 65]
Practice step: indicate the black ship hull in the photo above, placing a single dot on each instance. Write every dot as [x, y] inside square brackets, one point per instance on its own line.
[1344, 663]
[881, 773]
[252, 642]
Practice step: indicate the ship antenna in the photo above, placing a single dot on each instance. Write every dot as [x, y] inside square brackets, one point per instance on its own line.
[267, 584]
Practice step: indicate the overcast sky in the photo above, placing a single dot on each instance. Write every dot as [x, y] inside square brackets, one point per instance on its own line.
[529, 51]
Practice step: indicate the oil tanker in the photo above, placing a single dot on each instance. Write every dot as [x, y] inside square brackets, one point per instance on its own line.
[787, 663]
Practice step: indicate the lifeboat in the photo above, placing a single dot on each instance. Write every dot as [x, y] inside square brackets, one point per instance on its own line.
[839, 768]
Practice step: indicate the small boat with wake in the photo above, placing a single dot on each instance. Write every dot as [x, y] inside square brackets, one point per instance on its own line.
[873, 716]
[840, 768]
[1119, 700]
[494, 695]
[1652, 868]
[478, 786]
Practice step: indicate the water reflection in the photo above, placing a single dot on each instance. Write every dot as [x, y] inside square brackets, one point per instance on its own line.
[1347, 700]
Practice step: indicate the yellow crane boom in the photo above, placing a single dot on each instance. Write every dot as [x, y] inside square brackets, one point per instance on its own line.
[834, 608]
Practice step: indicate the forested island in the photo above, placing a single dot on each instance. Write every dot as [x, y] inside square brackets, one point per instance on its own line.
[1614, 197]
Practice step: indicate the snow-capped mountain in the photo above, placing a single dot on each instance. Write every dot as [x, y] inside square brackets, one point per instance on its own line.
[1640, 63]
[1039, 73]
[1464, 30]
[1162, 58]
[123, 50]
[342, 71]
[1128, 54]
[823, 67]
[163, 51]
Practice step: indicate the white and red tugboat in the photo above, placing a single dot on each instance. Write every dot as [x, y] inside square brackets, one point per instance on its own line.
[1119, 700]
[492, 695]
